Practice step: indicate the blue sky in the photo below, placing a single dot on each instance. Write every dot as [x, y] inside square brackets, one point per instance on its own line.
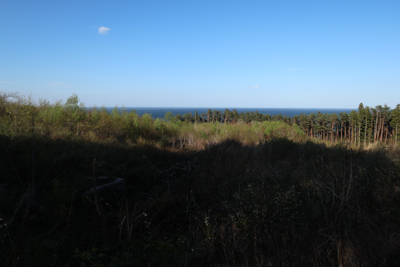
[200, 53]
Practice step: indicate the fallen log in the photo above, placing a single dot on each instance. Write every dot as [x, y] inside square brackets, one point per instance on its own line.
[117, 185]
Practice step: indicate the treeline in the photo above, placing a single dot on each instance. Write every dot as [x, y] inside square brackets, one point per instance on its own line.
[21, 117]
[359, 127]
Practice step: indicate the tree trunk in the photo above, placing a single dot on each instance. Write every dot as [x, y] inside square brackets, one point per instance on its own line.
[376, 127]
[341, 132]
[381, 127]
[355, 135]
[365, 134]
[387, 131]
[372, 125]
[351, 135]
[337, 132]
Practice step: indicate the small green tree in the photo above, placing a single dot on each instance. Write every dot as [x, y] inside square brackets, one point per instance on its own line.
[169, 117]
[74, 112]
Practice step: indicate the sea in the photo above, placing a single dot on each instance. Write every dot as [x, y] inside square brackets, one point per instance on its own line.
[289, 112]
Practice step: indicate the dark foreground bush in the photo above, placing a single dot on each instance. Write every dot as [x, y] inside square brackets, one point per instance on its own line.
[279, 203]
[298, 204]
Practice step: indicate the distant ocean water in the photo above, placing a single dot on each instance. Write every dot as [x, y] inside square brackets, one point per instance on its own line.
[289, 112]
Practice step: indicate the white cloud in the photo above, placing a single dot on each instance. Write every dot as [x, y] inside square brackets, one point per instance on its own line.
[103, 30]
[6, 82]
[294, 68]
[255, 87]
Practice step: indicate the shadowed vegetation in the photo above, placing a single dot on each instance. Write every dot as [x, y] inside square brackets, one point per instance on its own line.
[261, 193]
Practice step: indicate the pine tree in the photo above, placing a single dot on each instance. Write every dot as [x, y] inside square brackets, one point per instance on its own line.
[178, 117]
[266, 117]
[203, 117]
[227, 114]
[247, 118]
[344, 119]
[257, 116]
[235, 116]
[187, 117]
[334, 120]
[377, 122]
[385, 122]
[295, 120]
[353, 126]
[320, 118]
[311, 118]
[396, 121]
[367, 128]
[360, 121]
[303, 122]
[218, 116]
[209, 112]
[196, 117]
[214, 115]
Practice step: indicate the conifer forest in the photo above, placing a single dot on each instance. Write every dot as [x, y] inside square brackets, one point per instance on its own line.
[86, 187]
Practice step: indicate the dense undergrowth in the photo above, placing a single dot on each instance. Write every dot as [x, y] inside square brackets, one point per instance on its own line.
[258, 194]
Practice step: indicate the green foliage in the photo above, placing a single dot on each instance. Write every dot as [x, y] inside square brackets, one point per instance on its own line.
[51, 115]
[281, 129]
[169, 116]
[73, 110]
[115, 113]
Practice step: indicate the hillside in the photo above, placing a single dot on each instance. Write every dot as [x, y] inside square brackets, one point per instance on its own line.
[87, 188]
